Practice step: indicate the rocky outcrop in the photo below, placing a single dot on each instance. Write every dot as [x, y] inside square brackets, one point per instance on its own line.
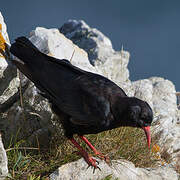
[120, 169]
[96, 44]
[8, 81]
[30, 117]
[52, 42]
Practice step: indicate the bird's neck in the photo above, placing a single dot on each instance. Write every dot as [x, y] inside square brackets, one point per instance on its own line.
[119, 110]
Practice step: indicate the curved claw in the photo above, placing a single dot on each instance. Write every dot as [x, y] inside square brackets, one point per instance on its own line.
[97, 167]
[97, 162]
[94, 169]
[92, 162]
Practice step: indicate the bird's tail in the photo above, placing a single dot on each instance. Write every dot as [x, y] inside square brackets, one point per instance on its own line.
[29, 59]
[24, 49]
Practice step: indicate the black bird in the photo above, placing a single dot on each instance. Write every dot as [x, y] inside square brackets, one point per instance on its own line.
[90, 102]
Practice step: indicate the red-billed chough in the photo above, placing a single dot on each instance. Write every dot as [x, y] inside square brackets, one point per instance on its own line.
[90, 102]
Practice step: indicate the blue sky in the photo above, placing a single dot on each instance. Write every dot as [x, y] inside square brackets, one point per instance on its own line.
[149, 30]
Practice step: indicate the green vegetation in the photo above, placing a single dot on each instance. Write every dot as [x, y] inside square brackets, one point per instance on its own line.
[34, 164]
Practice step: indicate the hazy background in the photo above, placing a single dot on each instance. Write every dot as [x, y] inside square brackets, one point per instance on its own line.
[149, 30]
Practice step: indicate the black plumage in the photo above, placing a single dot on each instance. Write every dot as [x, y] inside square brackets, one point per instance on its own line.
[90, 102]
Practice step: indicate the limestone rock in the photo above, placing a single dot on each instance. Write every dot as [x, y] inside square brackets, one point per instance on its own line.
[119, 169]
[8, 80]
[3, 161]
[22, 121]
[115, 69]
[164, 97]
[97, 45]
[143, 90]
[54, 43]
[165, 106]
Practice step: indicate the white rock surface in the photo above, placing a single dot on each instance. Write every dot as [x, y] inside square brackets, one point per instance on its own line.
[164, 97]
[120, 169]
[3, 161]
[143, 89]
[52, 42]
[8, 80]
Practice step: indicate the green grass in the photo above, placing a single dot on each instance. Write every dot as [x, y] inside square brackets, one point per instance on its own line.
[35, 164]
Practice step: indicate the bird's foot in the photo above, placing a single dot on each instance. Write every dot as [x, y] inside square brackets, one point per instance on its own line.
[92, 162]
[96, 152]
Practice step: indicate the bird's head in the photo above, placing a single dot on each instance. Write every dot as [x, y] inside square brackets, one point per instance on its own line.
[140, 115]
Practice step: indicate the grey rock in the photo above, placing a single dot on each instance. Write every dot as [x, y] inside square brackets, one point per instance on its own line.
[3, 161]
[119, 169]
[165, 107]
[29, 120]
[97, 45]
[115, 68]
[54, 43]
[164, 97]
[8, 76]
[143, 90]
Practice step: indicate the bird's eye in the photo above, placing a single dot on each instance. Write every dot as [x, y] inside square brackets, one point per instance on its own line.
[144, 115]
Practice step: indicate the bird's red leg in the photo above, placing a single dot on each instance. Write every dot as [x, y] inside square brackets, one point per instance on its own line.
[90, 161]
[96, 152]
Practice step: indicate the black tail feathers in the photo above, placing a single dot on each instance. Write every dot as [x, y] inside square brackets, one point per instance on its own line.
[23, 41]
[24, 49]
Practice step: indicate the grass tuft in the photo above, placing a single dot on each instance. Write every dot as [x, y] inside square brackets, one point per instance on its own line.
[34, 164]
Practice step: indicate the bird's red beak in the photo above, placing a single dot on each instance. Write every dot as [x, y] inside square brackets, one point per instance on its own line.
[148, 134]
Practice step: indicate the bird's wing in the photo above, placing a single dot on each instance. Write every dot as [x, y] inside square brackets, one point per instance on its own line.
[84, 98]
[78, 97]
[95, 92]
